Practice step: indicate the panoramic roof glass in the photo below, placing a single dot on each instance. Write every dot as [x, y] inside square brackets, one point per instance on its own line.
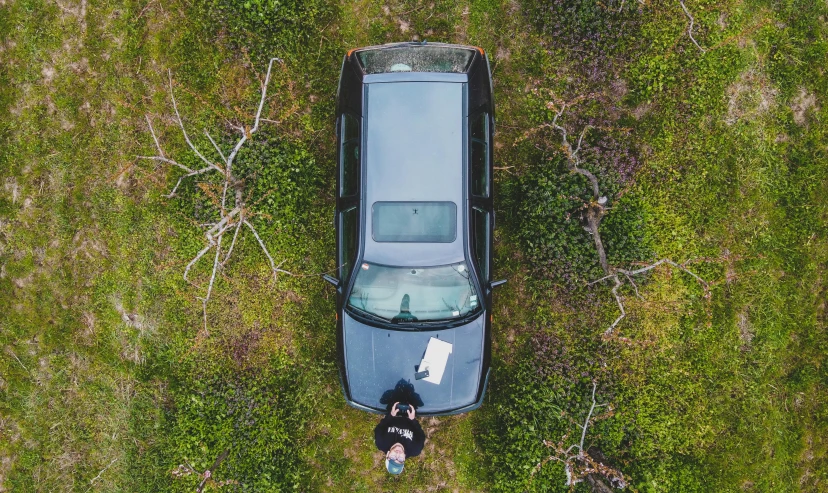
[420, 222]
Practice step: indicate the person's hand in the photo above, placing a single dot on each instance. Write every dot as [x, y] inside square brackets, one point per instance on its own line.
[411, 412]
[394, 409]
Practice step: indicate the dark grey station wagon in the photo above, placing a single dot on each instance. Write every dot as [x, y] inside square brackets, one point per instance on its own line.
[414, 225]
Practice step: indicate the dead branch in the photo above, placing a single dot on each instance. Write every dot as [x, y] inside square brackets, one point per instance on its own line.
[573, 160]
[594, 213]
[230, 216]
[186, 469]
[581, 464]
[208, 474]
[630, 273]
[690, 27]
[102, 471]
[274, 268]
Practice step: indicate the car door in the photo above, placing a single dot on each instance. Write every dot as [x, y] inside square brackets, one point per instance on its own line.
[480, 188]
[348, 193]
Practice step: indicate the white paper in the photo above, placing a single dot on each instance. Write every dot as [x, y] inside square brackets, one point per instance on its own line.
[435, 359]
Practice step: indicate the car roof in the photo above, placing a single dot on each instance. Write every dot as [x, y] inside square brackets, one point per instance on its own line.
[414, 151]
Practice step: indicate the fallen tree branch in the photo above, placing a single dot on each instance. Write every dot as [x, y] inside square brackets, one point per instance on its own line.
[595, 211]
[230, 217]
[103, 471]
[581, 464]
[690, 27]
[629, 273]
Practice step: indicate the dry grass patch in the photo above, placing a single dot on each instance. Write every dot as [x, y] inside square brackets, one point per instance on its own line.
[750, 97]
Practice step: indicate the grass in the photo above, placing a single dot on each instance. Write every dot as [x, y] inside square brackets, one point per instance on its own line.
[105, 377]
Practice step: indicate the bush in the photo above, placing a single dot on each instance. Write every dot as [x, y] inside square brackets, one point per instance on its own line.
[271, 27]
[258, 414]
[538, 397]
[550, 221]
[282, 178]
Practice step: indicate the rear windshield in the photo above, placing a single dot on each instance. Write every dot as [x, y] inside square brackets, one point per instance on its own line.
[419, 222]
[416, 59]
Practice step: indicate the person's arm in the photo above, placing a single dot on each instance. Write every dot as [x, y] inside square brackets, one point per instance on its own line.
[418, 442]
[381, 434]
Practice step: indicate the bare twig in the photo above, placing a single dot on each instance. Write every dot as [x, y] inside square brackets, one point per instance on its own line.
[589, 416]
[574, 161]
[594, 213]
[273, 266]
[103, 471]
[690, 27]
[184, 131]
[210, 286]
[581, 464]
[233, 243]
[18, 359]
[230, 216]
[218, 149]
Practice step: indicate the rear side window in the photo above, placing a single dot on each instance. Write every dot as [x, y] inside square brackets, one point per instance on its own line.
[482, 230]
[415, 59]
[479, 154]
[349, 180]
[347, 240]
[422, 222]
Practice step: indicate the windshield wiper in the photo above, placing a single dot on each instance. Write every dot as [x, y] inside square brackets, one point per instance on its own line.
[370, 315]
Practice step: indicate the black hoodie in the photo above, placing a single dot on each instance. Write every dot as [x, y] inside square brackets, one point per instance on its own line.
[400, 429]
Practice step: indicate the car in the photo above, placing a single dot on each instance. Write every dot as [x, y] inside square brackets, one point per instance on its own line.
[414, 222]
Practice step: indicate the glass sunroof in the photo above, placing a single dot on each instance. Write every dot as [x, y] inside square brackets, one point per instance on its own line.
[422, 222]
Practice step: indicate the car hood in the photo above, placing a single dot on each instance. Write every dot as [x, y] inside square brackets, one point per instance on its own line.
[377, 359]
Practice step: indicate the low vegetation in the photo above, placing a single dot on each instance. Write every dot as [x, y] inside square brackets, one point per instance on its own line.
[710, 150]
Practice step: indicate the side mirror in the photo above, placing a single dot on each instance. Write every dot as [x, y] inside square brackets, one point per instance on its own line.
[331, 279]
[495, 284]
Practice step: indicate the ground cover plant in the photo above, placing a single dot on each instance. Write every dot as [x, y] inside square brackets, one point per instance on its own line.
[708, 141]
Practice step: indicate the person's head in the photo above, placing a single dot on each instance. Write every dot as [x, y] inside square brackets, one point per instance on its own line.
[405, 303]
[395, 458]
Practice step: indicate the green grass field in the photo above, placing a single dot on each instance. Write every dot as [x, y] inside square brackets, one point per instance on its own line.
[714, 155]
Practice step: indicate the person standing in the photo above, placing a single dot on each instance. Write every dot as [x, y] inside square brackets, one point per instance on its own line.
[399, 436]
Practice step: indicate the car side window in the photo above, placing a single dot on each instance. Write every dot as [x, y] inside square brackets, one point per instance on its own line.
[347, 240]
[349, 155]
[482, 232]
[479, 124]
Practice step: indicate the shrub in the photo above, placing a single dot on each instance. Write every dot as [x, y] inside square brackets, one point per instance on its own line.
[271, 27]
[258, 414]
[551, 227]
[540, 396]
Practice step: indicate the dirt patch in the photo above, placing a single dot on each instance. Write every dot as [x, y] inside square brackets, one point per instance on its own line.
[750, 97]
[6, 462]
[745, 329]
[641, 110]
[618, 89]
[78, 12]
[131, 339]
[801, 104]
[48, 73]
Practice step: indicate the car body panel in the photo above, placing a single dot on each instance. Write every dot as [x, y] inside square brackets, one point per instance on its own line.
[376, 359]
[442, 174]
[413, 152]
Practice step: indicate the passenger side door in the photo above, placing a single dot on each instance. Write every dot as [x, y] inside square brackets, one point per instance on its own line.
[480, 191]
[348, 192]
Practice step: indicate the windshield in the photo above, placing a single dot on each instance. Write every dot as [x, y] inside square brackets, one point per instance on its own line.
[414, 294]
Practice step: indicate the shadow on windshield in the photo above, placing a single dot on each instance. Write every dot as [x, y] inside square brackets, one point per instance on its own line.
[403, 393]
